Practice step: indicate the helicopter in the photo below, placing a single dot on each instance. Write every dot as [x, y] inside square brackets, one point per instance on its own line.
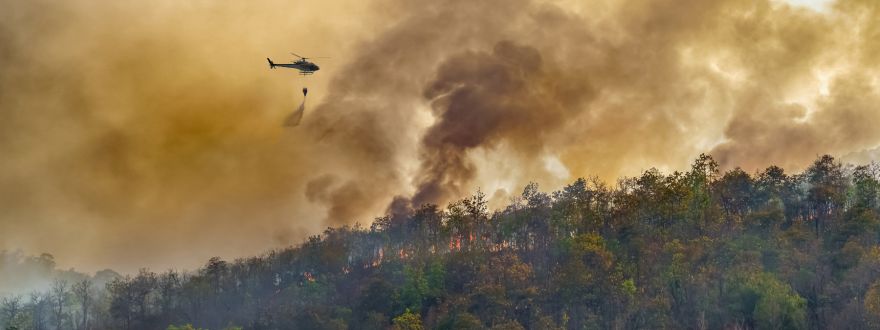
[302, 64]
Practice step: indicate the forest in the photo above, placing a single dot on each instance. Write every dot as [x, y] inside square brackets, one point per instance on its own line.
[699, 249]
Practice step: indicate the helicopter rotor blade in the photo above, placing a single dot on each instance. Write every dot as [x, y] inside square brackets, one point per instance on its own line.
[294, 54]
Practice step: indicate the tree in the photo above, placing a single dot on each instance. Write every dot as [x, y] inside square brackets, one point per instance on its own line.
[463, 321]
[11, 307]
[169, 287]
[82, 290]
[60, 295]
[734, 191]
[408, 321]
[872, 299]
[183, 327]
[38, 304]
[762, 300]
[415, 288]
[827, 190]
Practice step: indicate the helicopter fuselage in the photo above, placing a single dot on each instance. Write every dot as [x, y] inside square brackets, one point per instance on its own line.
[304, 67]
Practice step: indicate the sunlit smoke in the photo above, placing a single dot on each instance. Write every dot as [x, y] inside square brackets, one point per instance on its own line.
[156, 133]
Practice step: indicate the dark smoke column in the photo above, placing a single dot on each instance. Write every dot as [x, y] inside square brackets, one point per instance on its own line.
[483, 99]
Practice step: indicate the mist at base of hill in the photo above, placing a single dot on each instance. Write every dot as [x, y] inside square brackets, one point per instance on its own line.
[22, 274]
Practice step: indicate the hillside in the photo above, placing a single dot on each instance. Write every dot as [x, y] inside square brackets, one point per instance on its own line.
[688, 250]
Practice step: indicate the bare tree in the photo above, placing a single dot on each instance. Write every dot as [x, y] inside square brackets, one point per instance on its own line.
[82, 290]
[38, 309]
[169, 285]
[11, 307]
[59, 293]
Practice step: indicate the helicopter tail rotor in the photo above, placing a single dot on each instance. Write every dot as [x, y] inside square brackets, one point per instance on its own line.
[271, 65]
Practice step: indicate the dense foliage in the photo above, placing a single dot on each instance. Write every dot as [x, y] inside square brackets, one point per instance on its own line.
[692, 250]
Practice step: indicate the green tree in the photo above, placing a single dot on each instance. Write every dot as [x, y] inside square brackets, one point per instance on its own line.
[767, 303]
[408, 321]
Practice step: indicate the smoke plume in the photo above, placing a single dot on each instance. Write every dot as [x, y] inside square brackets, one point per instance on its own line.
[153, 131]
[482, 99]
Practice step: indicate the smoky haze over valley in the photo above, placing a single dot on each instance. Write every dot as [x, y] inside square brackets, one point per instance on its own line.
[150, 134]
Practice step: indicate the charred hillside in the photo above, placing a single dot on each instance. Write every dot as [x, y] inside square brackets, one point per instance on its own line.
[688, 250]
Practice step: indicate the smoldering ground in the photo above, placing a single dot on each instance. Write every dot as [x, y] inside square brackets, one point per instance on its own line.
[165, 146]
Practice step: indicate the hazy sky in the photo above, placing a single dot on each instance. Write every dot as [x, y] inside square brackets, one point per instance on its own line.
[149, 134]
[814, 4]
